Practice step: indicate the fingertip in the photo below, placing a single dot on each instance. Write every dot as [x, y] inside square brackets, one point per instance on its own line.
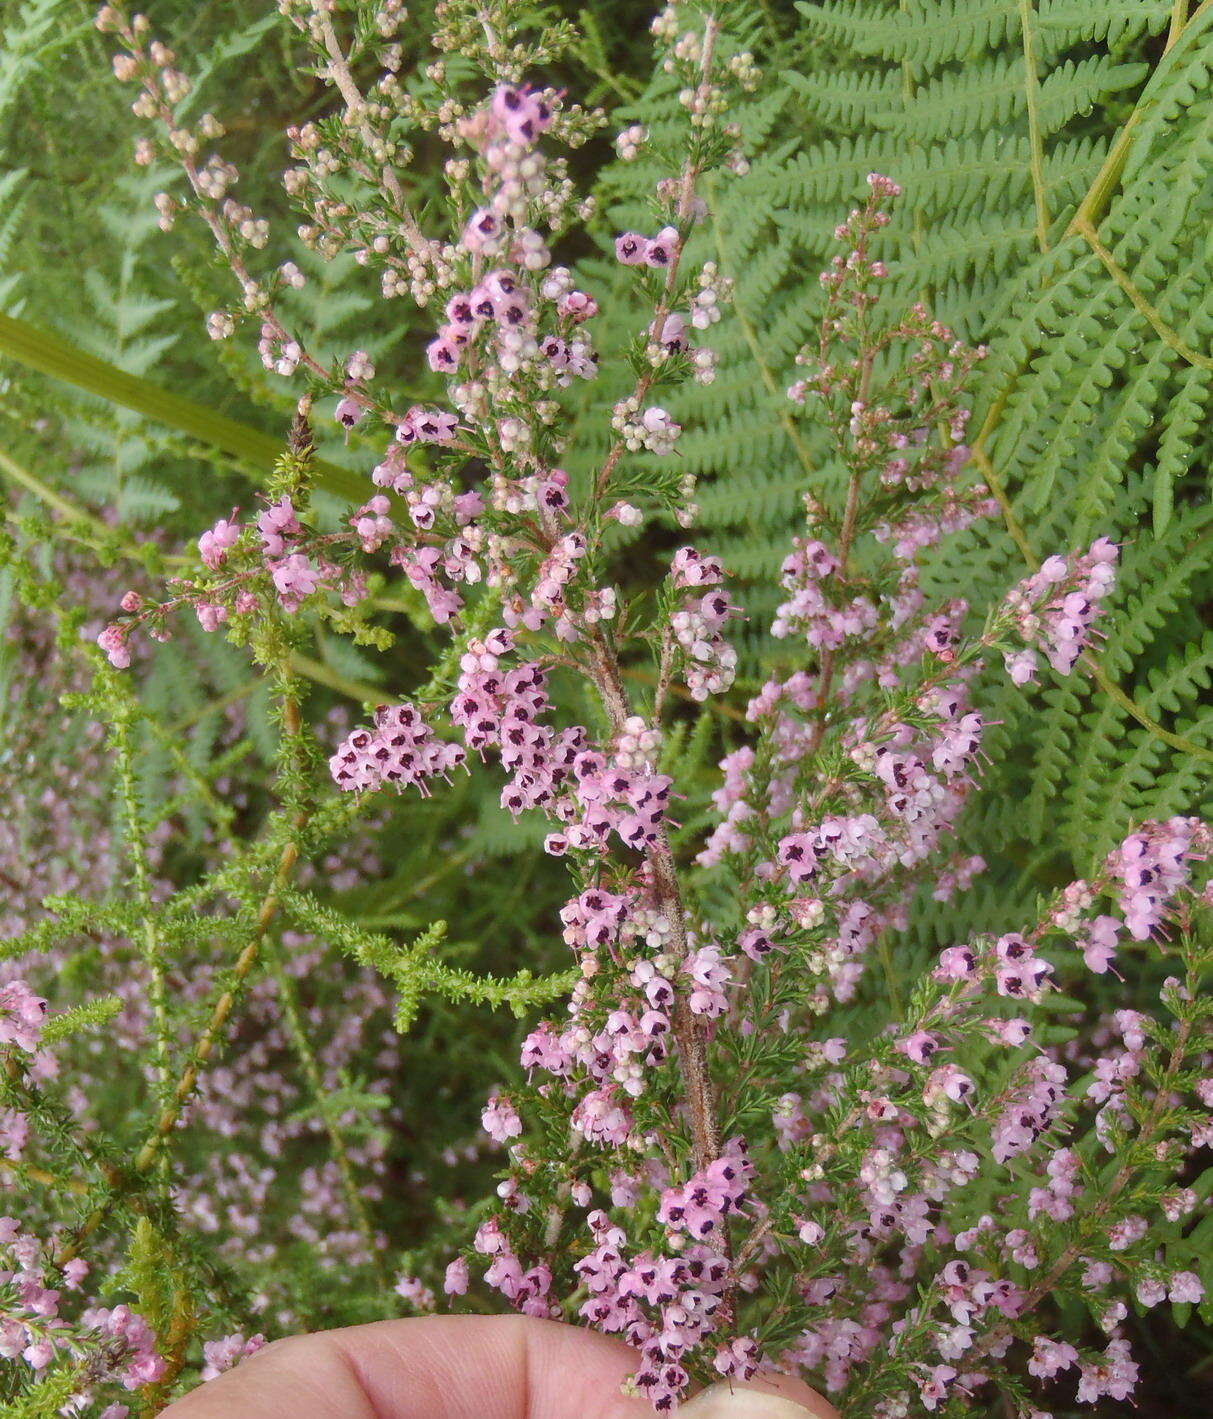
[764, 1397]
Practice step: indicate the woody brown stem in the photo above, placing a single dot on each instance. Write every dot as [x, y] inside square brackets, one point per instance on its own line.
[690, 1036]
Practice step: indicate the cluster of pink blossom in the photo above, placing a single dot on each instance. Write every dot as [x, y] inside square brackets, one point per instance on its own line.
[498, 316]
[284, 563]
[399, 750]
[21, 1019]
[1055, 608]
[22, 1014]
[1149, 867]
[664, 1305]
[898, 1192]
[698, 624]
[229, 1350]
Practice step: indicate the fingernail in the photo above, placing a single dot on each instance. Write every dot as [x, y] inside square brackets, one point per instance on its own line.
[724, 1401]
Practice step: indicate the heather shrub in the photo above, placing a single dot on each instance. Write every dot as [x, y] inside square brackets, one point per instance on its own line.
[479, 866]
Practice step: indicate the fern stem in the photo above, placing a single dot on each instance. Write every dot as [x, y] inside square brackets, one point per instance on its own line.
[1035, 141]
[1179, 18]
[1169, 337]
[995, 485]
[1131, 707]
[1099, 194]
[33, 484]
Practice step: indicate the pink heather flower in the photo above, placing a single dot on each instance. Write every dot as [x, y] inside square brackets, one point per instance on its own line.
[1151, 865]
[443, 356]
[947, 1082]
[418, 1295]
[662, 249]
[455, 1279]
[422, 425]
[221, 1355]
[691, 567]
[348, 411]
[276, 523]
[1116, 1378]
[38, 1354]
[577, 306]
[294, 579]
[112, 640]
[214, 543]
[211, 614]
[602, 1118]
[14, 1134]
[1098, 945]
[1122, 1234]
[1186, 1288]
[919, 1047]
[74, 1272]
[672, 335]
[738, 1359]
[933, 1385]
[520, 113]
[1050, 1357]
[1021, 666]
[500, 1119]
[630, 249]
[22, 1014]
[700, 1205]
[399, 750]
[372, 523]
[625, 514]
[482, 233]
[133, 1336]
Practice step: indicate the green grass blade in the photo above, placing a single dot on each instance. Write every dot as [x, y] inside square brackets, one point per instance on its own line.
[53, 356]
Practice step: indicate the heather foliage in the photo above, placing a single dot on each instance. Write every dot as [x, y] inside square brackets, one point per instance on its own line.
[543, 844]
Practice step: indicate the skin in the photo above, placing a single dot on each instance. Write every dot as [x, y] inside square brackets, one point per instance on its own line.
[460, 1367]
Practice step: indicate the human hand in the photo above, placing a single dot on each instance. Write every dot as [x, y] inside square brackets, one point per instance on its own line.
[465, 1367]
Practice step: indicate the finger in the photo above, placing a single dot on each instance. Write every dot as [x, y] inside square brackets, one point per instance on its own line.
[768, 1397]
[465, 1367]
[439, 1367]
